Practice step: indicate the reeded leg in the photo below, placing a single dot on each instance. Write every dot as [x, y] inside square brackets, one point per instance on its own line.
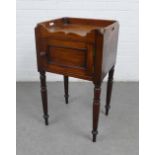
[66, 88]
[109, 91]
[44, 96]
[96, 109]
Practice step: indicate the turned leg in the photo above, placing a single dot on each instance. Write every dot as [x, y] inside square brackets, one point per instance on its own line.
[109, 90]
[96, 109]
[66, 88]
[44, 96]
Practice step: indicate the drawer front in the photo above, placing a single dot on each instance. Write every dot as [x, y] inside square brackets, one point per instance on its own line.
[67, 57]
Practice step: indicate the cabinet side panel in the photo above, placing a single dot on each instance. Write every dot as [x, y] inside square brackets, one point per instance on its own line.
[110, 48]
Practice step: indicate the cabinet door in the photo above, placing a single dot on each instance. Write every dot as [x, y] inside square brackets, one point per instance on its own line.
[67, 57]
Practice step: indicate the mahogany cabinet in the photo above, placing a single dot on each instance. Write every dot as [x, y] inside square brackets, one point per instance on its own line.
[80, 48]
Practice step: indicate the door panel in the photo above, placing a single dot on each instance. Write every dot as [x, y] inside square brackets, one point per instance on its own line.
[68, 57]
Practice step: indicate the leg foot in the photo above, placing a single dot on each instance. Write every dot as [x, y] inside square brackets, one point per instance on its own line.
[107, 110]
[94, 135]
[109, 91]
[46, 119]
[66, 89]
[44, 96]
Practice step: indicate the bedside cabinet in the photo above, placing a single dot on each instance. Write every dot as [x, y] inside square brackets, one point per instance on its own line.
[80, 48]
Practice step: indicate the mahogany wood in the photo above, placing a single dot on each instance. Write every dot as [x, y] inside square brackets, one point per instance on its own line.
[66, 88]
[80, 48]
[96, 109]
[44, 96]
[109, 90]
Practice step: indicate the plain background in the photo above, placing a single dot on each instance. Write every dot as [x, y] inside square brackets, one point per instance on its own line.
[30, 12]
[147, 63]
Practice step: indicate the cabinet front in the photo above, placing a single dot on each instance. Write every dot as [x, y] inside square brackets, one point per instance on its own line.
[67, 57]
